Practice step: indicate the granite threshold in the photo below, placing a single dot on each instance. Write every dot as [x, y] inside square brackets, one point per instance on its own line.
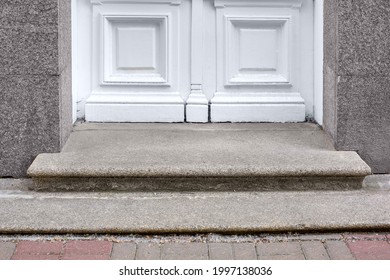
[198, 157]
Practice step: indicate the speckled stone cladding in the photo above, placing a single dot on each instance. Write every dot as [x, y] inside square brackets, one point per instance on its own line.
[357, 78]
[35, 81]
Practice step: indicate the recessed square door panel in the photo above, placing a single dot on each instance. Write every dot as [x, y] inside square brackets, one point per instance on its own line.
[135, 49]
[257, 51]
[260, 60]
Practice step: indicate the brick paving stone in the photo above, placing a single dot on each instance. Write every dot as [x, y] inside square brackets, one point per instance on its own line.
[123, 251]
[90, 247]
[220, 251]
[244, 251]
[148, 251]
[7, 249]
[184, 251]
[314, 250]
[31, 257]
[370, 250]
[39, 248]
[284, 250]
[338, 250]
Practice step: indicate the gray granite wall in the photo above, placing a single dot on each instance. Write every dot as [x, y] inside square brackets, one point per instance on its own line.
[357, 78]
[35, 81]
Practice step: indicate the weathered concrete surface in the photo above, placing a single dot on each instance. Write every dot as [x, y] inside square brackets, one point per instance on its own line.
[196, 157]
[357, 78]
[35, 81]
[377, 182]
[241, 212]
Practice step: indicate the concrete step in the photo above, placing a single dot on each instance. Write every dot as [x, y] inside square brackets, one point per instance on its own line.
[189, 157]
[24, 211]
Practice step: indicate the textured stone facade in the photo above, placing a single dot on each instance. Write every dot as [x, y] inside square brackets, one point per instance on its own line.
[357, 78]
[35, 81]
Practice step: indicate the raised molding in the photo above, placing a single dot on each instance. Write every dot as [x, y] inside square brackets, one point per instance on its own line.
[146, 98]
[197, 103]
[257, 107]
[171, 2]
[297, 4]
[132, 112]
[96, 2]
[318, 61]
[258, 98]
[148, 107]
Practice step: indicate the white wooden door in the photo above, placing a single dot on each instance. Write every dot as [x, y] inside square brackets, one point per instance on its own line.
[195, 60]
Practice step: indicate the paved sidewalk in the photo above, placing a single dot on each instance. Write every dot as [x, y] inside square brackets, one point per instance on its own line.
[345, 246]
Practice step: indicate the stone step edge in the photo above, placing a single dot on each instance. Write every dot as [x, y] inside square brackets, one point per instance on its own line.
[64, 165]
[193, 184]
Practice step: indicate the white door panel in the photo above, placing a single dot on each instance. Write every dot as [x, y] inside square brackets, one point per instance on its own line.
[195, 60]
[136, 61]
[259, 61]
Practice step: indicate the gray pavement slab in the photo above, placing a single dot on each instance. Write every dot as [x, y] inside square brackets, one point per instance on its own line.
[280, 251]
[244, 251]
[184, 251]
[283, 257]
[314, 250]
[338, 250]
[123, 251]
[7, 249]
[220, 251]
[148, 251]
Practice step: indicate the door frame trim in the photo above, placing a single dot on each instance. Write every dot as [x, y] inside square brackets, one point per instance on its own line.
[319, 61]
